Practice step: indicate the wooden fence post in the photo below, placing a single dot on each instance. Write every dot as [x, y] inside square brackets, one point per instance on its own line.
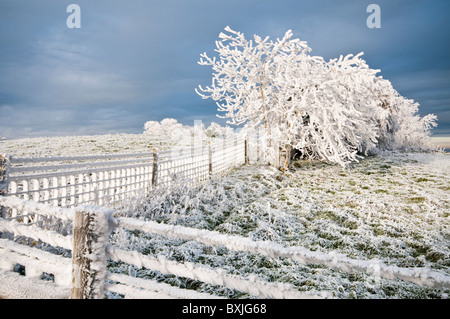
[155, 169]
[210, 159]
[246, 151]
[4, 174]
[90, 237]
[4, 181]
[258, 140]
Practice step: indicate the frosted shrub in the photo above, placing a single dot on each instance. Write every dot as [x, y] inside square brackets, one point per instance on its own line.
[169, 129]
[332, 111]
[152, 127]
[214, 130]
[166, 128]
[183, 136]
[412, 131]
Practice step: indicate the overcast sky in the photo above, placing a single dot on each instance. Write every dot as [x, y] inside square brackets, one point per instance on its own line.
[134, 61]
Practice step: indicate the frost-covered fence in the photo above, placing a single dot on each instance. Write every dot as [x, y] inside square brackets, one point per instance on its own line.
[72, 247]
[252, 285]
[35, 240]
[107, 180]
[66, 247]
[3, 175]
[83, 274]
[201, 162]
[71, 181]
[90, 237]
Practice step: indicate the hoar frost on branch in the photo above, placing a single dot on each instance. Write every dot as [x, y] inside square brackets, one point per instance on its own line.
[332, 111]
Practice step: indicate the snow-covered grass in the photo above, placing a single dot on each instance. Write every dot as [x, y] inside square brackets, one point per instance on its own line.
[83, 145]
[393, 207]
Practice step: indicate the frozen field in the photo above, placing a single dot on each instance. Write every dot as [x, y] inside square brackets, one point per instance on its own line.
[394, 207]
[82, 145]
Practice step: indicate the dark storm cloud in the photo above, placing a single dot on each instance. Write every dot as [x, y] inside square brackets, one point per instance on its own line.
[134, 61]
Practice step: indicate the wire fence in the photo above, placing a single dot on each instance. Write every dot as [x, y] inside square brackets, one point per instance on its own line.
[107, 180]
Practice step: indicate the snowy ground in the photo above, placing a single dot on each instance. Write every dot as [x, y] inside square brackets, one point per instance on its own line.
[393, 207]
[82, 145]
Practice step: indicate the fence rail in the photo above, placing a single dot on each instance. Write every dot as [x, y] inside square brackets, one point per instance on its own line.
[107, 180]
[20, 233]
[84, 272]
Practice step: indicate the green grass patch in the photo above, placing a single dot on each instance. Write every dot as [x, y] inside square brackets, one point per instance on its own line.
[423, 179]
[417, 200]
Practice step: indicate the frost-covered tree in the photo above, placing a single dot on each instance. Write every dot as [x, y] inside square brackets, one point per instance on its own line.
[243, 83]
[399, 125]
[169, 129]
[326, 108]
[180, 135]
[215, 130]
[331, 110]
[302, 101]
[152, 128]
